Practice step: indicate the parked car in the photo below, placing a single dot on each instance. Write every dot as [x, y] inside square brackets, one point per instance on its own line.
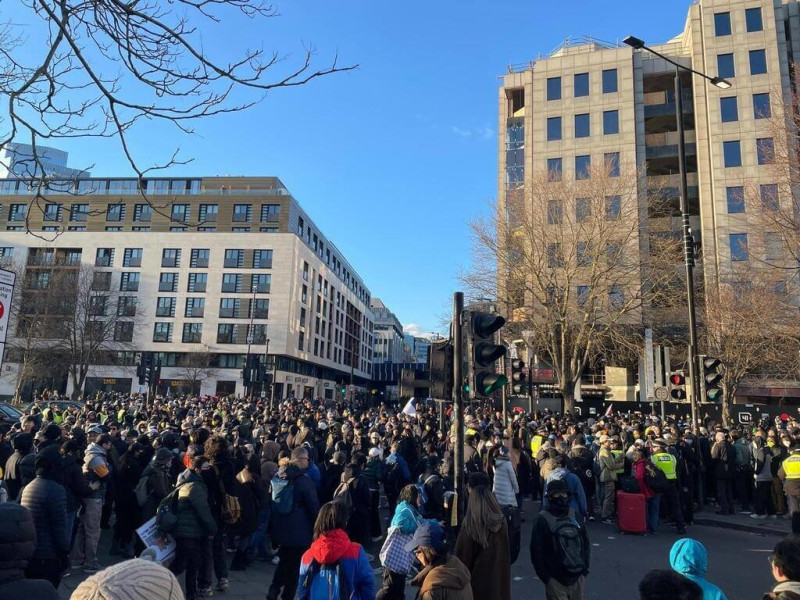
[9, 414]
[62, 404]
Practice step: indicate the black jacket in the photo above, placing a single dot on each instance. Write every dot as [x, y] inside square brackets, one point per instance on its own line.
[75, 483]
[295, 529]
[194, 515]
[543, 552]
[47, 501]
[17, 545]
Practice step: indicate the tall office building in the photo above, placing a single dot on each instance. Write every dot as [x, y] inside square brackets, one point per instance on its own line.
[594, 103]
[18, 160]
[209, 269]
[390, 347]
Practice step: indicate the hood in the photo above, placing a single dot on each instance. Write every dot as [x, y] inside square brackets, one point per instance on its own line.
[689, 557]
[17, 541]
[290, 472]
[188, 476]
[330, 546]
[450, 575]
[95, 450]
[559, 473]
[788, 586]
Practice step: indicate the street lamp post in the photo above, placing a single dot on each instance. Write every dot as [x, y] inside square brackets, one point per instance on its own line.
[688, 241]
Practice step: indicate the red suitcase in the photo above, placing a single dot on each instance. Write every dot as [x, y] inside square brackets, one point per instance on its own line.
[631, 513]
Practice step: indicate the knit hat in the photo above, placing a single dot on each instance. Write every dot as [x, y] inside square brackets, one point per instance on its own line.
[130, 580]
[163, 455]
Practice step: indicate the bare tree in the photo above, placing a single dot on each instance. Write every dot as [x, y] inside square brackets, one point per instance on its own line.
[101, 69]
[196, 367]
[568, 260]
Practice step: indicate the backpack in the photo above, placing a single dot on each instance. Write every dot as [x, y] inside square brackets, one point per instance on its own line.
[655, 478]
[141, 490]
[326, 582]
[344, 496]
[473, 465]
[167, 512]
[423, 493]
[394, 475]
[629, 484]
[582, 468]
[282, 495]
[568, 542]
[231, 509]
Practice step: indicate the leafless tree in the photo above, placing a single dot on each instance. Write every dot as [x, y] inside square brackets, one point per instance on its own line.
[568, 260]
[101, 69]
[196, 367]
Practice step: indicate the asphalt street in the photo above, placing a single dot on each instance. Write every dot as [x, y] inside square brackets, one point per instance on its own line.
[737, 563]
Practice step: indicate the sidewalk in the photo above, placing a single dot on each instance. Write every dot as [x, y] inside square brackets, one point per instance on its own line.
[741, 522]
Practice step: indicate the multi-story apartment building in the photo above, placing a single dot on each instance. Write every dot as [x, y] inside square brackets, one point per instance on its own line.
[203, 271]
[594, 103]
[390, 347]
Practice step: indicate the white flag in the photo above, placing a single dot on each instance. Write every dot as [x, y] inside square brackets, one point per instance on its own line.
[609, 410]
[409, 409]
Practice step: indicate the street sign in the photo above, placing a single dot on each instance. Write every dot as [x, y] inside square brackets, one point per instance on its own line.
[7, 279]
[745, 418]
[661, 392]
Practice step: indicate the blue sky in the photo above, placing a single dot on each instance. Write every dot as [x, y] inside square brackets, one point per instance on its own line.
[393, 159]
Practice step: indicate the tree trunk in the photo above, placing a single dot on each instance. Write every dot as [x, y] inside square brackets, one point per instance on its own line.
[568, 394]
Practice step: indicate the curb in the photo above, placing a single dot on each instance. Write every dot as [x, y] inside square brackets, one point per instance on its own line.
[755, 529]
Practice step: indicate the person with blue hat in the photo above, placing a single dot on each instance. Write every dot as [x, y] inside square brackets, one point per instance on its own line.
[443, 576]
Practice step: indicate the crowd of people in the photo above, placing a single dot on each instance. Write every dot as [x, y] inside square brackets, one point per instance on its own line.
[306, 486]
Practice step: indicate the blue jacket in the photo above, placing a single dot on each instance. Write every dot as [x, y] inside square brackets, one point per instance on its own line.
[577, 499]
[689, 558]
[295, 528]
[392, 458]
[407, 518]
[335, 546]
[313, 474]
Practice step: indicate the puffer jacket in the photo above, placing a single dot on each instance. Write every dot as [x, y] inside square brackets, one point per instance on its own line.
[17, 545]
[690, 558]
[373, 471]
[194, 515]
[47, 501]
[75, 483]
[331, 547]
[95, 467]
[294, 529]
[505, 486]
[448, 580]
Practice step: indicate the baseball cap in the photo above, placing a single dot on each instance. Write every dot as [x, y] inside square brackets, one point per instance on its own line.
[374, 452]
[429, 534]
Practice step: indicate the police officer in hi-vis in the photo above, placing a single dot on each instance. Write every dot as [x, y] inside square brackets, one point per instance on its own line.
[790, 475]
[669, 465]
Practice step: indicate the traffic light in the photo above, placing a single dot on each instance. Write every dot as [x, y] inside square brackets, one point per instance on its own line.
[441, 369]
[517, 377]
[677, 385]
[483, 353]
[141, 369]
[711, 379]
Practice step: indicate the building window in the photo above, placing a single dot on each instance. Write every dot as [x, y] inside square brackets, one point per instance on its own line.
[123, 331]
[554, 255]
[197, 282]
[240, 229]
[613, 253]
[231, 283]
[752, 18]
[583, 166]
[302, 317]
[192, 333]
[554, 88]
[234, 259]
[304, 295]
[195, 307]
[199, 258]
[206, 229]
[739, 250]
[229, 308]
[129, 281]
[242, 213]
[260, 308]
[270, 212]
[758, 62]
[98, 306]
[554, 169]
[613, 207]
[104, 258]
[262, 259]
[583, 209]
[611, 164]
[555, 212]
[52, 212]
[761, 106]
[765, 151]
[268, 229]
[226, 333]
[113, 228]
[773, 245]
[735, 196]
[261, 283]
[300, 225]
[180, 213]
[162, 332]
[729, 109]
[165, 307]
[553, 129]
[171, 258]
[725, 66]
[143, 213]
[126, 306]
[17, 212]
[584, 255]
[722, 24]
[581, 81]
[138, 228]
[582, 126]
[301, 340]
[115, 212]
[610, 122]
[168, 282]
[101, 281]
[132, 257]
[583, 294]
[208, 212]
[732, 153]
[769, 196]
[257, 334]
[609, 81]
[616, 296]
[79, 212]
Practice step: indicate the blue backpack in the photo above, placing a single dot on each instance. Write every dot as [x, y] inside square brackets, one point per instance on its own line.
[282, 495]
[326, 582]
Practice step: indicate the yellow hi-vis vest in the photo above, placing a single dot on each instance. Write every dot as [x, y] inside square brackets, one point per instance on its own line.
[536, 444]
[791, 466]
[667, 463]
[616, 454]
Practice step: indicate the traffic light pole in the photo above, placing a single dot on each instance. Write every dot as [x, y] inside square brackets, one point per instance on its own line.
[688, 248]
[458, 403]
[504, 393]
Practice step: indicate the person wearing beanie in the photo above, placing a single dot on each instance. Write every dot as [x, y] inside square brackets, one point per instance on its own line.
[158, 484]
[47, 501]
[135, 579]
[17, 545]
[19, 465]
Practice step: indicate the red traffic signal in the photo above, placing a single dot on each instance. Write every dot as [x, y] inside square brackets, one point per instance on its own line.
[677, 379]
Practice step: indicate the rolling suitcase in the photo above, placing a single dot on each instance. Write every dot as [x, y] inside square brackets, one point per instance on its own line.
[631, 513]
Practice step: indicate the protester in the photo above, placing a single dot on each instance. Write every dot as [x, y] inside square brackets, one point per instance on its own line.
[132, 580]
[785, 562]
[17, 546]
[443, 576]
[96, 469]
[609, 465]
[690, 558]
[668, 585]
